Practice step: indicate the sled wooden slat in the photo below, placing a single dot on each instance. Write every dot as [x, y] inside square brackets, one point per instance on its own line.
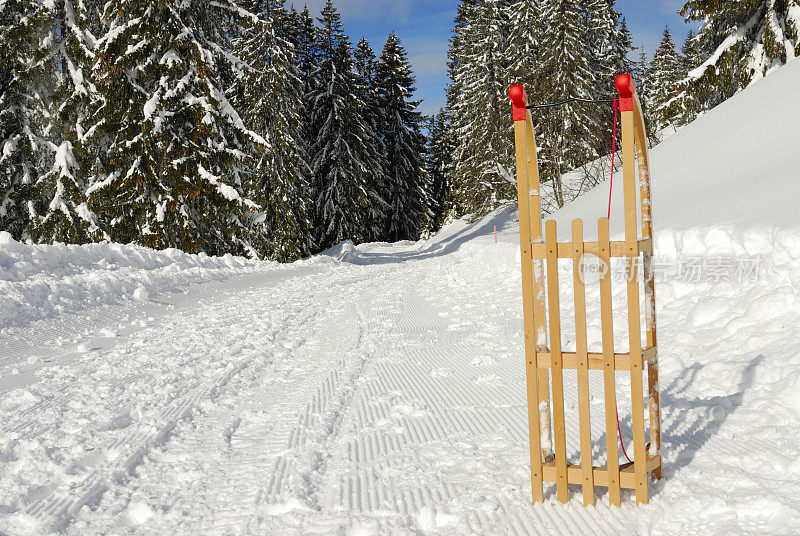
[634, 319]
[555, 357]
[569, 360]
[654, 408]
[643, 165]
[653, 395]
[618, 249]
[532, 372]
[584, 406]
[609, 363]
[627, 475]
[539, 310]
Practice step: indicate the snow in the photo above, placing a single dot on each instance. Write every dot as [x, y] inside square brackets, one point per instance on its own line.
[64, 160]
[170, 58]
[141, 294]
[744, 145]
[227, 191]
[379, 388]
[152, 104]
[41, 281]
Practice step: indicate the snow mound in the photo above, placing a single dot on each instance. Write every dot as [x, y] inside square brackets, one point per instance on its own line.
[39, 281]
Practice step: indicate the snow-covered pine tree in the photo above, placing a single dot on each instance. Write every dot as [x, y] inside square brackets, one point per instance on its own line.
[604, 44]
[663, 80]
[691, 55]
[524, 38]
[171, 174]
[456, 54]
[408, 212]
[268, 97]
[304, 36]
[344, 156]
[641, 75]
[438, 162]
[610, 43]
[690, 58]
[743, 42]
[482, 177]
[623, 46]
[366, 66]
[572, 133]
[23, 24]
[60, 191]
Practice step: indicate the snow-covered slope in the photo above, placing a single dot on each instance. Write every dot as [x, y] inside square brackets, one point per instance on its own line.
[738, 166]
[379, 389]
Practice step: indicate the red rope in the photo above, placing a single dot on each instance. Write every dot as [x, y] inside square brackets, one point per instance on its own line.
[610, 189]
[621, 443]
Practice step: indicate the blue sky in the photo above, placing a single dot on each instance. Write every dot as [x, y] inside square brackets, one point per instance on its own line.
[424, 28]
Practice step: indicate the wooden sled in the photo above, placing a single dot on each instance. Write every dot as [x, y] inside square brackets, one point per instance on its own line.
[545, 360]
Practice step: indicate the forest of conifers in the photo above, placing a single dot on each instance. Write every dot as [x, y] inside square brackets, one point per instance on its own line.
[255, 128]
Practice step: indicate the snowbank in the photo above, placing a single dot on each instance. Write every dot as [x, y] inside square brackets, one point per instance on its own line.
[39, 281]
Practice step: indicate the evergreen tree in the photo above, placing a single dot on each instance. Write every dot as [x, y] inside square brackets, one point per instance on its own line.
[557, 49]
[60, 190]
[171, 174]
[641, 76]
[268, 95]
[456, 54]
[304, 37]
[663, 79]
[641, 73]
[344, 153]
[690, 58]
[22, 25]
[407, 213]
[482, 177]
[524, 40]
[743, 40]
[623, 45]
[438, 161]
[572, 133]
[604, 43]
[610, 43]
[691, 55]
[366, 66]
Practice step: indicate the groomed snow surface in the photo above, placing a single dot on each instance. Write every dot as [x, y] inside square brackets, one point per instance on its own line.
[379, 389]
